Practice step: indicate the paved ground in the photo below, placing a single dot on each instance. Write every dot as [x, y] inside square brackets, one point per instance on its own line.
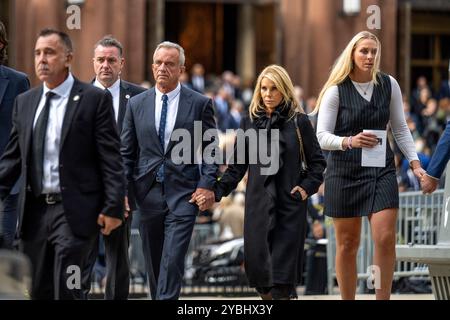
[324, 297]
[139, 293]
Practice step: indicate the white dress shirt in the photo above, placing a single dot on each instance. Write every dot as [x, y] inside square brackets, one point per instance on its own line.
[326, 121]
[172, 110]
[58, 104]
[115, 92]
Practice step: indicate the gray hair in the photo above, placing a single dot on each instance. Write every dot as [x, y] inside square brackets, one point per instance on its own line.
[168, 44]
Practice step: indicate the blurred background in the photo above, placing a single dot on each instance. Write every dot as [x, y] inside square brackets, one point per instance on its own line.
[243, 36]
[227, 44]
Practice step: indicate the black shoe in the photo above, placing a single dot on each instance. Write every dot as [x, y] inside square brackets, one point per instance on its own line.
[282, 292]
[264, 293]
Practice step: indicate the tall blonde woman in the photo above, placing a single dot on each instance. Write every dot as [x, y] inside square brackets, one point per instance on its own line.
[356, 97]
[275, 204]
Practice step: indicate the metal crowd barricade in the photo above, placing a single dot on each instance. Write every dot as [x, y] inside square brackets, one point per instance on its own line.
[436, 255]
[418, 222]
[138, 278]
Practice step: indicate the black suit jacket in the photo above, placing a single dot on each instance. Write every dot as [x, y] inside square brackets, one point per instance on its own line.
[90, 166]
[127, 90]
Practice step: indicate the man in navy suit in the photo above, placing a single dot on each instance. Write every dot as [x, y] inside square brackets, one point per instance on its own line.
[444, 91]
[108, 63]
[12, 83]
[438, 163]
[163, 187]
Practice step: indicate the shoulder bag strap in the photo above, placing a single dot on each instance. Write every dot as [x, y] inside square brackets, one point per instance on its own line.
[300, 141]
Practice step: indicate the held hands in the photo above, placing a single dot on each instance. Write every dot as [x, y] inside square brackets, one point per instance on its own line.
[419, 173]
[107, 223]
[204, 198]
[300, 190]
[429, 184]
[127, 208]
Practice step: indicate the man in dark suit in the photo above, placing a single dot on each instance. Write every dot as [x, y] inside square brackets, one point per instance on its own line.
[163, 186]
[64, 141]
[108, 63]
[438, 162]
[198, 81]
[12, 83]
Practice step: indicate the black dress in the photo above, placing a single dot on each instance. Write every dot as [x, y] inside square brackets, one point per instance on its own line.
[275, 222]
[350, 189]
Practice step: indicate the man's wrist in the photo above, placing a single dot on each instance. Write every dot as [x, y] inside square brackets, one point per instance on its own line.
[434, 178]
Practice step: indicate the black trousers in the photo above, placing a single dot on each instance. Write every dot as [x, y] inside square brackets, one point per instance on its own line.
[165, 241]
[117, 263]
[58, 257]
[8, 222]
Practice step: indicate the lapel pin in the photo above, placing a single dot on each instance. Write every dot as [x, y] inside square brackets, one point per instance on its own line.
[76, 98]
[127, 96]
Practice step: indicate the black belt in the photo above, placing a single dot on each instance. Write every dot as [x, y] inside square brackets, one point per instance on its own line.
[51, 198]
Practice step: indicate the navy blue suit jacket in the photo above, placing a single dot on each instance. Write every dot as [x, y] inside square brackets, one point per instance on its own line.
[12, 83]
[444, 91]
[142, 153]
[441, 155]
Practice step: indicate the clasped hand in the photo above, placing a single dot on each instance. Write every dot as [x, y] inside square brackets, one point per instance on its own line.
[107, 223]
[428, 184]
[203, 198]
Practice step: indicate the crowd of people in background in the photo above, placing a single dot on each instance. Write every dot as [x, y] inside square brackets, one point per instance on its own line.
[426, 111]
[161, 189]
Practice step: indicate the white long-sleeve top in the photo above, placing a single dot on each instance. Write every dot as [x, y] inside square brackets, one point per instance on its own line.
[326, 121]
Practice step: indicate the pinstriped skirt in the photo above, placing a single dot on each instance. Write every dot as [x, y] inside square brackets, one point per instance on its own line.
[355, 191]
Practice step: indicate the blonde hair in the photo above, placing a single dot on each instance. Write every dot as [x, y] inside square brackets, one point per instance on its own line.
[344, 64]
[283, 83]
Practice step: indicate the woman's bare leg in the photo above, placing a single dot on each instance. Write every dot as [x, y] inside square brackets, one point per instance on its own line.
[348, 233]
[383, 225]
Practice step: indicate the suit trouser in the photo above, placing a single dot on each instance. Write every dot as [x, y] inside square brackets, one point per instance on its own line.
[58, 257]
[117, 263]
[165, 241]
[8, 222]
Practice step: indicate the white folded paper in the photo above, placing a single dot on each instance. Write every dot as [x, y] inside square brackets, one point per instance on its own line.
[376, 156]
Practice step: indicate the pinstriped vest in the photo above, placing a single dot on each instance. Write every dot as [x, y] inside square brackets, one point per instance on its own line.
[356, 114]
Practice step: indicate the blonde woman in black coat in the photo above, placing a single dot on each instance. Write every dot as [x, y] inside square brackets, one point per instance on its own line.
[275, 208]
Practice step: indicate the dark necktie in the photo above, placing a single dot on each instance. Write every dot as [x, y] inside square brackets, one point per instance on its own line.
[113, 110]
[37, 153]
[161, 132]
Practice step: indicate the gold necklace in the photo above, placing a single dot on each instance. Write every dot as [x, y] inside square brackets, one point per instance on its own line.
[364, 90]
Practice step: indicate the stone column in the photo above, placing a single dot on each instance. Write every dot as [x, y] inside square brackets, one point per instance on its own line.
[245, 60]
